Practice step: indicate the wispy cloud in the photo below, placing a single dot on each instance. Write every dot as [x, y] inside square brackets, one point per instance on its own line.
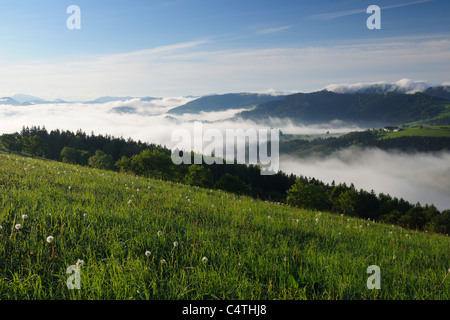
[338, 14]
[192, 68]
[274, 30]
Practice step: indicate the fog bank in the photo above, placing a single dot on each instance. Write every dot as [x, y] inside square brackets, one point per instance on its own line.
[420, 177]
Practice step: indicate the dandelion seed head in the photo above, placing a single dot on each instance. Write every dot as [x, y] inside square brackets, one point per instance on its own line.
[80, 263]
[24, 216]
[148, 253]
[50, 239]
[159, 233]
[18, 226]
[204, 259]
[175, 244]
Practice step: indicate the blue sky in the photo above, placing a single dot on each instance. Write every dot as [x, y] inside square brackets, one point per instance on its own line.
[194, 47]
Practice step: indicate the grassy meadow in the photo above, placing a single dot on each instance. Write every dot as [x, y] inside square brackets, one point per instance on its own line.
[148, 239]
[424, 131]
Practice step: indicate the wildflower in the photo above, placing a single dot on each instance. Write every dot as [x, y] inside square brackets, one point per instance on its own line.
[394, 257]
[18, 226]
[70, 187]
[129, 202]
[317, 219]
[24, 216]
[159, 233]
[204, 259]
[80, 263]
[163, 261]
[148, 253]
[1, 228]
[269, 217]
[50, 239]
[175, 244]
[85, 215]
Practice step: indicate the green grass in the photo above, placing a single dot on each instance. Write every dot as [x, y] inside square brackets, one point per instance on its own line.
[425, 131]
[255, 249]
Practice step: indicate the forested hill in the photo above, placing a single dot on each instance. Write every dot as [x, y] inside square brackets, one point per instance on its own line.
[325, 106]
[420, 139]
[224, 102]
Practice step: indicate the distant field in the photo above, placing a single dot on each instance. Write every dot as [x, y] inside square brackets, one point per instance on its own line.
[201, 243]
[425, 131]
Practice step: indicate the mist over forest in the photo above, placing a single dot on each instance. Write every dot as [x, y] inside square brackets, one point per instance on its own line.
[420, 177]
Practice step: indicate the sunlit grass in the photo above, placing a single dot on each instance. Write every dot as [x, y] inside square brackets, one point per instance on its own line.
[228, 247]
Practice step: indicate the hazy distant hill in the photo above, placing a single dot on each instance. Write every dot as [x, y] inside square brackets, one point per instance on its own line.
[9, 101]
[325, 106]
[224, 102]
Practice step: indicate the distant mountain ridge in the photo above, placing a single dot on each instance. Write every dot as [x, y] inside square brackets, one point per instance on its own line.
[405, 86]
[326, 106]
[224, 102]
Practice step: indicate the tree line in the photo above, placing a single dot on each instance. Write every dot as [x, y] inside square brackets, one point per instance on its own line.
[368, 138]
[154, 161]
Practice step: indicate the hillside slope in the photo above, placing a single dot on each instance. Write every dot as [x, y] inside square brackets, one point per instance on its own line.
[202, 244]
[224, 102]
[326, 106]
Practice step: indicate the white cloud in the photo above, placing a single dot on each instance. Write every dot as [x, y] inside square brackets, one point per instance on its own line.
[189, 68]
[274, 30]
[403, 85]
[344, 13]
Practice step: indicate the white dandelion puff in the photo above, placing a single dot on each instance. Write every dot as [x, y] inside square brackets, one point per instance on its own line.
[148, 253]
[50, 239]
[18, 226]
[163, 261]
[24, 216]
[159, 233]
[204, 259]
[175, 244]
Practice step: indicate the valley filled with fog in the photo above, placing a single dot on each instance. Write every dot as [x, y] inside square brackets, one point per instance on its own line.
[421, 177]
